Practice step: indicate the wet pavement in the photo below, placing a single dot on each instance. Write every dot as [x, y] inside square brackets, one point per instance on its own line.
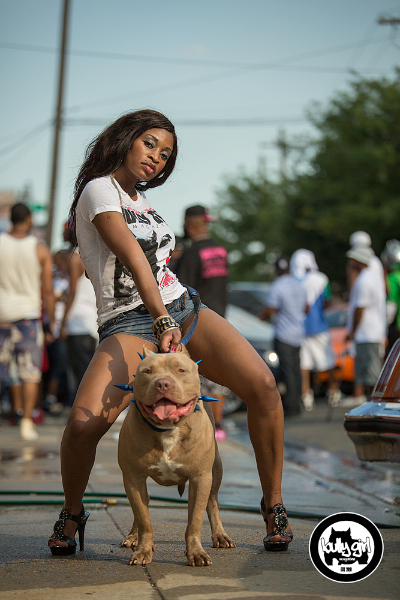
[322, 476]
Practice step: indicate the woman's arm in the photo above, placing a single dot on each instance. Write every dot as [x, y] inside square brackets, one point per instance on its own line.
[75, 270]
[46, 279]
[119, 239]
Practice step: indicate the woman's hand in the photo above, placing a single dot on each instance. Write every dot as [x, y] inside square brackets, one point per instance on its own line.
[63, 332]
[170, 340]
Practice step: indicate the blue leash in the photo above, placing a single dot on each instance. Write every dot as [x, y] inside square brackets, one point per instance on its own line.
[197, 302]
[128, 388]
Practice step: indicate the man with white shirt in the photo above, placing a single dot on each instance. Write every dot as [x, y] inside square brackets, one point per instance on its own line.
[25, 278]
[287, 304]
[366, 320]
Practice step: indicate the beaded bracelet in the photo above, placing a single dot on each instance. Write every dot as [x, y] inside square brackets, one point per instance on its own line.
[162, 324]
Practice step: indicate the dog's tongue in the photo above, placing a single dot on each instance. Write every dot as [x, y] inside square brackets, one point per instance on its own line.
[164, 409]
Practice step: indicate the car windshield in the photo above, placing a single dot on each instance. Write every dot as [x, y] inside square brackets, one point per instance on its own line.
[249, 298]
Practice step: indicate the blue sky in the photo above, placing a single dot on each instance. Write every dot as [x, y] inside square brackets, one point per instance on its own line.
[229, 73]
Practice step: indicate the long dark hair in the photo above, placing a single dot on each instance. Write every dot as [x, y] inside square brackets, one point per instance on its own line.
[108, 150]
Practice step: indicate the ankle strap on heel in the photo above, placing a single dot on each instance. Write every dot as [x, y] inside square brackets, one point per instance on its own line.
[66, 516]
[280, 520]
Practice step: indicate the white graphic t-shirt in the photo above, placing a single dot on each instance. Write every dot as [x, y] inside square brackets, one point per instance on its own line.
[114, 286]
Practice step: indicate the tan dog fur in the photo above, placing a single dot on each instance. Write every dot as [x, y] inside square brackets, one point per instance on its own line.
[186, 451]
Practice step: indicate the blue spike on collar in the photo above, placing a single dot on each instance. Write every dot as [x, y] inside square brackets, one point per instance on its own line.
[126, 388]
[208, 399]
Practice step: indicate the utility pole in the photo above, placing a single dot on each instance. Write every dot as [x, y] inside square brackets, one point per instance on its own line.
[57, 124]
[283, 147]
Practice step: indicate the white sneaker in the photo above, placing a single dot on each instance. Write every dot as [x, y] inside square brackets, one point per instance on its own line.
[334, 397]
[308, 400]
[28, 430]
[353, 401]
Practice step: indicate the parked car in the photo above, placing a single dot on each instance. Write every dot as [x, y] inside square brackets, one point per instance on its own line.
[251, 296]
[261, 336]
[336, 317]
[374, 427]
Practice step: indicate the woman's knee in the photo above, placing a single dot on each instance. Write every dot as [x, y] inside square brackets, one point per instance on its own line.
[79, 432]
[263, 392]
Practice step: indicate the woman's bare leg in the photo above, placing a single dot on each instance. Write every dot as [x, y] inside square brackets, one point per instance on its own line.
[228, 359]
[98, 403]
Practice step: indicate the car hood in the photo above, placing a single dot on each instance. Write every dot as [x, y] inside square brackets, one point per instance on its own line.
[249, 326]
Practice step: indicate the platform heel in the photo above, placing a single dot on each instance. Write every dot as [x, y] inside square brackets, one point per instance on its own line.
[281, 523]
[58, 533]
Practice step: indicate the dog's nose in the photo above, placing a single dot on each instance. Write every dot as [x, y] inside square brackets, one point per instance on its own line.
[163, 385]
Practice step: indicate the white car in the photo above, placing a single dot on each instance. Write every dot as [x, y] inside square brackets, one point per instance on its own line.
[260, 335]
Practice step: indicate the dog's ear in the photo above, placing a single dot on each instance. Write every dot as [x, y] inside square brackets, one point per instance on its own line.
[184, 350]
[147, 352]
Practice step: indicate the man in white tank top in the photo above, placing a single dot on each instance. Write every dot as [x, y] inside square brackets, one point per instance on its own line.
[25, 278]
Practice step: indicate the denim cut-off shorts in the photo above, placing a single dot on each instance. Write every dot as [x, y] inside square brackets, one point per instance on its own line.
[138, 321]
[21, 351]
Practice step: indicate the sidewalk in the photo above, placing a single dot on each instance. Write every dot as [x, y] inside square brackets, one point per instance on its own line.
[310, 489]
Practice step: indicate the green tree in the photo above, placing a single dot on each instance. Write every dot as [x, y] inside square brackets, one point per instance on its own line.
[352, 180]
[249, 225]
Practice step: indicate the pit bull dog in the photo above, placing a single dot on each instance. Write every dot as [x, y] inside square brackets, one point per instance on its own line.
[165, 438]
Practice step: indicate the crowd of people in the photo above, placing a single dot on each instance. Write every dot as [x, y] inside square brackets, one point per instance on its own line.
[71, 337]
[48, 324]
[296, 304]
[44, 375]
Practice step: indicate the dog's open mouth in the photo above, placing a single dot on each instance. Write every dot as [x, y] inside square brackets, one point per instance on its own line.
[166, 410]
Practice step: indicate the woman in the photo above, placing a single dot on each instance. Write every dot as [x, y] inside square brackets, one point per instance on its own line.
[140, 303]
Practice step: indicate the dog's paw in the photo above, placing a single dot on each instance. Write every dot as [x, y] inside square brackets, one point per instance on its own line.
[222, 540]
[131, 541]
[141, 557]
[198, 558]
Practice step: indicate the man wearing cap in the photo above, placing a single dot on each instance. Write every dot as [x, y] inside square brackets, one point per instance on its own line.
[287, 302]
[204, 266]
[362, 239]
[366, 321]
[316, 353]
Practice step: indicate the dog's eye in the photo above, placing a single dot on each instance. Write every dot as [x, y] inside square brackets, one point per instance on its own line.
[147, 371]
[181, 370]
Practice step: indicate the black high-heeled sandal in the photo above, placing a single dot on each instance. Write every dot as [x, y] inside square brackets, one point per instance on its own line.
[281, 523]
[59, 525]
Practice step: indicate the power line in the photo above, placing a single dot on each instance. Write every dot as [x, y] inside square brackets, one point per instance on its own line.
[201, 122]
[98, 122]
[279, 64]
[189, 61]
[23, 149]
[25, 138]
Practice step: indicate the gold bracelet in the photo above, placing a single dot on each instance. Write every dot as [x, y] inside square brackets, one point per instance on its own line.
[162, 324]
